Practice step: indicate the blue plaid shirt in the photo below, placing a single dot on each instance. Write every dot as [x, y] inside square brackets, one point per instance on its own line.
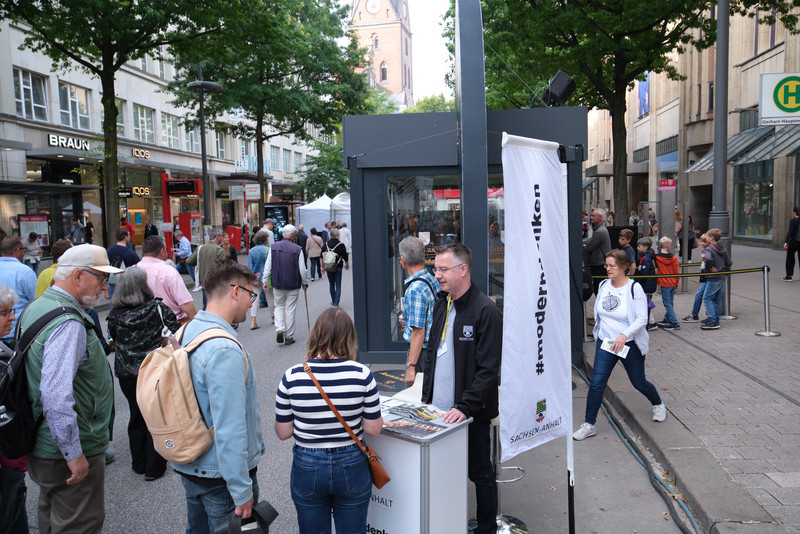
[418, 304]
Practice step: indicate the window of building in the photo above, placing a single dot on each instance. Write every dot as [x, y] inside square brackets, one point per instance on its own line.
[375, 41]
[74, 102]
[120, 115]
[287, 160]
[143, 63]
[143, 124]
[752, 200]
[384, 73]
[220, 145]
[710, 96]
[30, 95]
[275, 157]
[298, 161]
[244, 148]
[169, 130]
[192, 138]
[699, 98]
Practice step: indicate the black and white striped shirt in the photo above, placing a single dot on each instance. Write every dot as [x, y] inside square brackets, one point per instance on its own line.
[351, 388]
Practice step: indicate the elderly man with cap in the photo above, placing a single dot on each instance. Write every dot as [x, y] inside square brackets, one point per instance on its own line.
[70, 385]
[288, 271]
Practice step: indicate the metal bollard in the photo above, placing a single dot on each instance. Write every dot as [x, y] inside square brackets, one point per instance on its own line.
[726, 302]
[766, 332]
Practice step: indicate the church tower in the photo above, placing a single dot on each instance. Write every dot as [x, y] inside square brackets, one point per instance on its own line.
[383, 28]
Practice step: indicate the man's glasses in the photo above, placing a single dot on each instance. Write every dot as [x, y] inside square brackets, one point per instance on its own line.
[103, 277]
[442, 270]
[253, 294]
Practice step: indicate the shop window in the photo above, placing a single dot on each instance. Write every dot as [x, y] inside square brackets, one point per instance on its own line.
[192, 138]
[428, 207]
[220, 142]
[169, 130]
[287, 160]
[74, 103]
[752, 198]
[143, 124]
[30, 95]
[275, 157]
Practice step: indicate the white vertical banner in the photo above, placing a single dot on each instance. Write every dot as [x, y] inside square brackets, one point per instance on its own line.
[536, 383]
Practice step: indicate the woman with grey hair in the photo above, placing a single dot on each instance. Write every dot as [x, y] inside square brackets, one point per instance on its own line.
[335, 274]
[138, 323]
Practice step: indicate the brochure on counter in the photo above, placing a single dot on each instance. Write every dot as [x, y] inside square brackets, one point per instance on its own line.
[411, 419]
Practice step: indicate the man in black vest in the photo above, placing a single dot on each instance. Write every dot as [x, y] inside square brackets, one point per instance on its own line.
[288, 271]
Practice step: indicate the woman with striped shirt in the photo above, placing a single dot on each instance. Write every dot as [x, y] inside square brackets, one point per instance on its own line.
[330, 473]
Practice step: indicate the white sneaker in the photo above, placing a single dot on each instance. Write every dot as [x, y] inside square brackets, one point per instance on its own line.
[660, 413]
[585, 431]
[196, 289]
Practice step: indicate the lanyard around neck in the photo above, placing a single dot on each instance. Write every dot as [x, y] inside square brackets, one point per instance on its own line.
[446, 317]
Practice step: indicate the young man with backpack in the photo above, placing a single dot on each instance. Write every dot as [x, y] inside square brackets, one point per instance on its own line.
[120, 256]
[715, 260]
[421, 291]
[70, 384]
[334, 256]
[223, 479]
[647, 266]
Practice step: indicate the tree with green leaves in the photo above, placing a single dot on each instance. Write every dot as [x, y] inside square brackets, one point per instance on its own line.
[432, 104]
[282, 69]
[605, 45]
[324, 173]
[100, 37]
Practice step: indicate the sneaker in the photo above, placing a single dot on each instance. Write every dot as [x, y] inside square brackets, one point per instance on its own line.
[110, 456]
[652, 326]
[660, 413]
[289, 341]
[691, 319]
[705, 321]
[710, 326]
[196, 289]
[279, 337]
[663, 324]
[670, 326]
[786, 279]
[585, 431]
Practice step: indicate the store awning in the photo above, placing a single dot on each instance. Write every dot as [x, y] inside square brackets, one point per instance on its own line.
[42, 188]
[785, 142]
[590, 181]
[737, 145]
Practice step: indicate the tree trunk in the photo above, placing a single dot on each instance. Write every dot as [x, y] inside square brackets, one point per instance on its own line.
[620, 151]
[110, 169]
[262, 183]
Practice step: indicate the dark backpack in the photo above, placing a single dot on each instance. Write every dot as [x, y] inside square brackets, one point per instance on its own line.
[647, 267]
[18, 428]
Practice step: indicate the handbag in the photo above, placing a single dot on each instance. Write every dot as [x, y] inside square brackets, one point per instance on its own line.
[264, 515]
[379, 475]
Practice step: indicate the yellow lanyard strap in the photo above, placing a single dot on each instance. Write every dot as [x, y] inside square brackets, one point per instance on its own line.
[446, 317]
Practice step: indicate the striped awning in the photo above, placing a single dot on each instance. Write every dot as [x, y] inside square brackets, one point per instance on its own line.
[737, 145]
[785, 142]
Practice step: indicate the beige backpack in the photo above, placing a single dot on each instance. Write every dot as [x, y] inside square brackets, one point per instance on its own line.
[166, 398]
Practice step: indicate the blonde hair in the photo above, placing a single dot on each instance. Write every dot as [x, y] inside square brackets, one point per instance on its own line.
[665, 242]
[333, 336]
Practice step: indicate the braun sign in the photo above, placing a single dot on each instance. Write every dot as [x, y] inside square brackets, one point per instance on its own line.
[61, 141]
[779, 99]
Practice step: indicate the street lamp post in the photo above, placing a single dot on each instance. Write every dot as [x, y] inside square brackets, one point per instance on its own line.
[202, 88]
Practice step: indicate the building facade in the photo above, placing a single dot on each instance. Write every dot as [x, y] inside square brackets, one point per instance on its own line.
[51, 148]
[383, 27]
[670, 127]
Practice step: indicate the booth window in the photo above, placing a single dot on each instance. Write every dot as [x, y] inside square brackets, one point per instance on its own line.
[752, 199]
[428, 207]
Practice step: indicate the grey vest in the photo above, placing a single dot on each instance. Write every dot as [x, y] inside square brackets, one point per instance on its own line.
[285, 270]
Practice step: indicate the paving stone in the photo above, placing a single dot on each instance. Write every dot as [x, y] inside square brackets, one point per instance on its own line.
[785, 480]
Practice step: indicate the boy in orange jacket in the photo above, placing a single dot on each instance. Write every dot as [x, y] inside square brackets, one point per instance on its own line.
[667, 263]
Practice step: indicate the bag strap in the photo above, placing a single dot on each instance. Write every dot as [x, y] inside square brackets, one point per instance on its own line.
[27, 339]
[430, 286]
[207, 335]
[313, 378]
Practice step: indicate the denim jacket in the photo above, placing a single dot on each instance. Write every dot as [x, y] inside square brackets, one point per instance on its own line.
[218, 374]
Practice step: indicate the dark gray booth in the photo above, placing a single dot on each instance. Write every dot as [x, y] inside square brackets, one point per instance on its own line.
[406, 180]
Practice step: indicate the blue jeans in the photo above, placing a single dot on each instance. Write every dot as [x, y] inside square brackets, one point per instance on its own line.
[667, 297]
[698, 299]
[604, 363]
[335, 285]
[481, 473]
[206, 505]
[325, 480]
[315, 267]
[188, 268]
[33, 265]
[712, 299]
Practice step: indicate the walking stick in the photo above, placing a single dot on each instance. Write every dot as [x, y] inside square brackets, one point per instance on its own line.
[308, 319]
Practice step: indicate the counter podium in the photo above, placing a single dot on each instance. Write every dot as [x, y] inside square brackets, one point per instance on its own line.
[427, 461]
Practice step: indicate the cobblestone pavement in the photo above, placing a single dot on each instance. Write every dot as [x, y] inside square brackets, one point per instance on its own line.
[737, 392]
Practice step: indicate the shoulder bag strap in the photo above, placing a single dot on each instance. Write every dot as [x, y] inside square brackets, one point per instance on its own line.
[333, 408]
[207, 335]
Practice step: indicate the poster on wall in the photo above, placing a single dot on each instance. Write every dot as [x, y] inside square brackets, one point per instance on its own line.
[34, 223]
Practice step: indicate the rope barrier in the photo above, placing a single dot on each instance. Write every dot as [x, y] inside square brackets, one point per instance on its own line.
[689, 275]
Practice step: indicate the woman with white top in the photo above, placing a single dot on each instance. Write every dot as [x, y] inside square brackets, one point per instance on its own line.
[620, 314]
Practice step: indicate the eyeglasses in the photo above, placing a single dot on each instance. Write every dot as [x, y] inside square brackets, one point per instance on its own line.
[609, 266]
[253, 295]
[103, 277]
[442, 270]
[7, 312]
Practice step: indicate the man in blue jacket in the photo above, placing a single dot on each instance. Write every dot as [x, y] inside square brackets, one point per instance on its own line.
[223, 479]
[462, 363]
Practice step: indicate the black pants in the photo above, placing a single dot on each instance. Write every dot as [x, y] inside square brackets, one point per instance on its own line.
[144, 458]
[481, 473]
[794, 249]
[597, 270]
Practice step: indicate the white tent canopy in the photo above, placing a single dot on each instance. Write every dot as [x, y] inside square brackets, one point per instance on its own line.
[340, 208]
[315, 214]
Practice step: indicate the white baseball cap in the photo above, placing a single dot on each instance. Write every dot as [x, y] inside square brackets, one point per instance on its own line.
[90, 256]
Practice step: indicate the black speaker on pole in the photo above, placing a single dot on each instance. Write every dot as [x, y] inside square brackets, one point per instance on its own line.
[559, 89]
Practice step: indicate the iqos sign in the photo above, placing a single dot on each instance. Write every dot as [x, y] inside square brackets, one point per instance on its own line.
[141, 154]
